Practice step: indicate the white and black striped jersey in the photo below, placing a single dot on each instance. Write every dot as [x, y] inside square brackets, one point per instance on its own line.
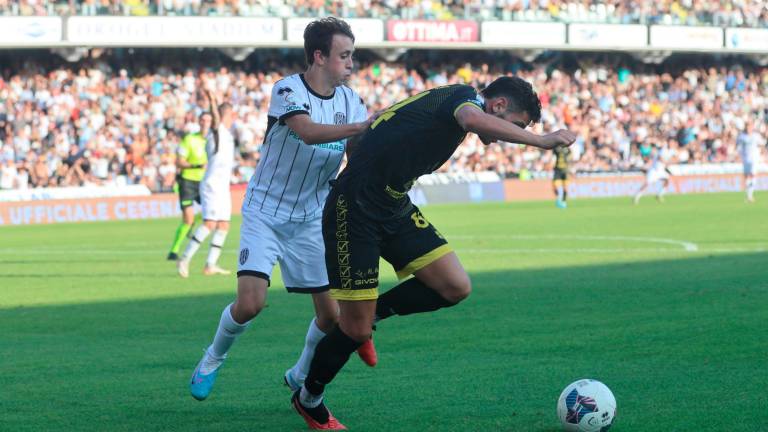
[291, 179]
[749, 146]
[221, 159]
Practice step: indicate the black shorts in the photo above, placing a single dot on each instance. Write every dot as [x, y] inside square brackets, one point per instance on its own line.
[354, 242]
[560, 174]
[189, 192]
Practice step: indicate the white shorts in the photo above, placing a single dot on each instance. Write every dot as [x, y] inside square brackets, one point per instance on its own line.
[216, 202]
[655, 176]
[297, 246]
[749, 168]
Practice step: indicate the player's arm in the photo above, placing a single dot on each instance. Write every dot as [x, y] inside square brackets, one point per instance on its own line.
[492, 128]
[213, 106]
[318, 133]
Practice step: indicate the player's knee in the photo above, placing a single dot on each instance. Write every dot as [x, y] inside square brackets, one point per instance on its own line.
[247, 308]
[326, 321]
[251, 296]
[459, 289]
[358, 333]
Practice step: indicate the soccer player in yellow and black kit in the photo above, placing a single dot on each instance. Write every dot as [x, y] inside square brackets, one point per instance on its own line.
[368, 215]
[191, 159]
[560, 177]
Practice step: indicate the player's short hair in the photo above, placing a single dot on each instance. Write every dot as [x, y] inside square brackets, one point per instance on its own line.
[519, 94]
[319, 36]
[205, 113]
[225, 107]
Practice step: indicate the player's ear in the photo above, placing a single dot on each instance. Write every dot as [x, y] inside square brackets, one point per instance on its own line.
[318, 55]
[499, 105]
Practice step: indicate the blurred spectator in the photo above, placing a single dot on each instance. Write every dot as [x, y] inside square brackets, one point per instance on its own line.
[117, 119]
[733, 13]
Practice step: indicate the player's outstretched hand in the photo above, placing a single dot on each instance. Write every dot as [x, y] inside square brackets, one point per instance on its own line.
[559, 138]
[372, 118]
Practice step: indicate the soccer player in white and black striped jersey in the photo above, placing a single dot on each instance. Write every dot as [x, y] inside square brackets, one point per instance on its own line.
[311, 116]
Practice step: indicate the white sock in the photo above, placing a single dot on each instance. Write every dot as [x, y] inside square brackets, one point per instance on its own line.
[314, 336]
[226, 334]
[309, 400]
[560, 193]
[750, 189]
[662, 191]
[217, 242]
[194, 243]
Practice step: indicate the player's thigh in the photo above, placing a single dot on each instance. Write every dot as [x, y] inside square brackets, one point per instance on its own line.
[749, 169]
[351, 251]
[413, 243]
[303, 262]
[260, 247]
[447, 276]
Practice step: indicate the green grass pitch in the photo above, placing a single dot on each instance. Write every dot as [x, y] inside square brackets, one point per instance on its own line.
[665, 303]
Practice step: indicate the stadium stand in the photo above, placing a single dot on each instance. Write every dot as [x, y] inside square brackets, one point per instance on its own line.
[117, 119]
[733, 13]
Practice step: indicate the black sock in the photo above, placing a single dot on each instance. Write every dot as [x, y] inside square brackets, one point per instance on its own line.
[331, 355]
[565, 194]
[411, 296]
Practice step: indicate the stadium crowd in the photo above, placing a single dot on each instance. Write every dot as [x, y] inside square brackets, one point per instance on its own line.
[114, 121]
[736, 13]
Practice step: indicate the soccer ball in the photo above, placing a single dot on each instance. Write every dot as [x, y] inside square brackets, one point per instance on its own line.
[586, 406]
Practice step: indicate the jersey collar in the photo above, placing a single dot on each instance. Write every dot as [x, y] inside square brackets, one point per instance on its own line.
[315, 94]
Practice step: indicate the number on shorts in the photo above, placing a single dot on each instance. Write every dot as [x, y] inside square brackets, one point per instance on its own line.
[419, 220]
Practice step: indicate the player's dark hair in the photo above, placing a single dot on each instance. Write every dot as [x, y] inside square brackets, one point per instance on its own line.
[319, 36]
[519, 94]
[203, 114]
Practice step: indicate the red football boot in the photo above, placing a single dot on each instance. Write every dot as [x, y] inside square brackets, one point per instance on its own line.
[314, 424]
[367, 353]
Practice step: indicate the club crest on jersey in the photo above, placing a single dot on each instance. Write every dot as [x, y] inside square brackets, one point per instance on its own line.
[287, 94]
[340, 118]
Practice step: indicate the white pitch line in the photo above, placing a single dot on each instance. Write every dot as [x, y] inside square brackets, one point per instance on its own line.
[686, 245]
[571, 250]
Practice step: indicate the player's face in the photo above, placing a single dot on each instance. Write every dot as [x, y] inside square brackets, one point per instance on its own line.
[205, 122]
[498, 107]
[521, 120]
[339, 63]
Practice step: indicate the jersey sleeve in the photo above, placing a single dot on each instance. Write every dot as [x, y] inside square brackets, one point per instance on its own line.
[287, 100]
[463, 96]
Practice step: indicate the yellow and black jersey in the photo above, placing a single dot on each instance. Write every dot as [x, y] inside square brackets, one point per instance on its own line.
[562, 154]
[411, 138]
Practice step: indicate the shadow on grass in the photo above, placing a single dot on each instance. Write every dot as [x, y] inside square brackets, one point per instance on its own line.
[664, 335]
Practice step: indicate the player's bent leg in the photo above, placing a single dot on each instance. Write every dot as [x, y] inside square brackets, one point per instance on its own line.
[442, 283]
[251, 296]
[217, 243]
[331, 354]
[201, 233]
[447, 276]
[235, 318]
[326, 315]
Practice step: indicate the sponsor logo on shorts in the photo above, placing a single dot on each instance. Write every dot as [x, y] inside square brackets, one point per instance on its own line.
[243, 256]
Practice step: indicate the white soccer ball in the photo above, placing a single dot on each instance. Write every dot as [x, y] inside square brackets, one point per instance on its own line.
[586, 406]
